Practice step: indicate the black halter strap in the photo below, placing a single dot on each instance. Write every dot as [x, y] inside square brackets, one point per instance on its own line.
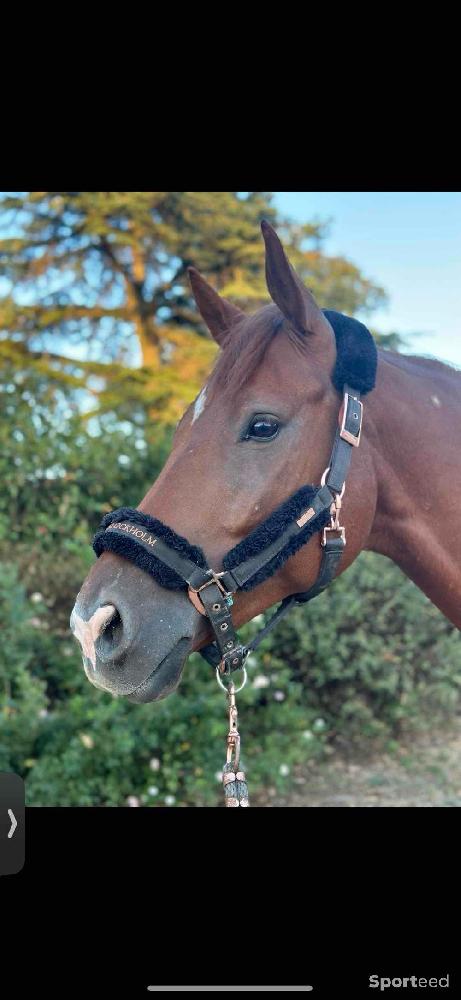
[177, 564]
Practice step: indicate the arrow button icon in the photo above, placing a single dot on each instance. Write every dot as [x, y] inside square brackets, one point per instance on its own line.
[14, 823]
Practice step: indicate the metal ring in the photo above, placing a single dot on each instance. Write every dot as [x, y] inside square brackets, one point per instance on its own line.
[225, 686]
[322, 482]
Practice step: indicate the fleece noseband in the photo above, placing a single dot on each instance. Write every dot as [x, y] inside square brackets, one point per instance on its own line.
[176, 564]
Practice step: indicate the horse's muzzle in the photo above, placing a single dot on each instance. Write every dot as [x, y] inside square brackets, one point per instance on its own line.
[134, 635]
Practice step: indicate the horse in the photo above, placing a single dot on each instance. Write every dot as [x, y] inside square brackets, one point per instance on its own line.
[261, 427]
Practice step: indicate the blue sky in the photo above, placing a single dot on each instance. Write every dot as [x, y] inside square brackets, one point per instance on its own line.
[410, 243]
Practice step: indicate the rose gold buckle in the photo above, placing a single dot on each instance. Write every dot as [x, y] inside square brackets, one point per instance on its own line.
[215, 578]
[352, 439]
[323, 481]
[193, 594]
[339, 529]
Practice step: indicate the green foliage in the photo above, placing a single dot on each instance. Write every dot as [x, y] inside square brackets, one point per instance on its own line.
[59, 479]
[22, 693]
[373, 655]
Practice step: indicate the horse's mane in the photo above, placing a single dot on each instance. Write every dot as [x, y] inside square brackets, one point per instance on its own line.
[424, 366]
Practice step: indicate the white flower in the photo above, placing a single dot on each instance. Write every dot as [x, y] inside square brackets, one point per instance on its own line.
[284, 770]
[258, 620]
[261, 681]
[43, 713]
[279, 696]
[308, 735]
[132, 801]
[170, 800]
[319, 724]
[154, 764]
[36, 598]
[153, 790]
[87, 740]
[218, 775]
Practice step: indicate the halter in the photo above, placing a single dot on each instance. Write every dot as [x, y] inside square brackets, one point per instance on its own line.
[176, 564]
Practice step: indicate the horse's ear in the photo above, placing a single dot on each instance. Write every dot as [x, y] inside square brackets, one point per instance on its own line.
[294, 300]
[218, 313]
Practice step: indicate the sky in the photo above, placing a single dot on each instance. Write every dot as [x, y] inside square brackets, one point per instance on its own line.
[409, 243]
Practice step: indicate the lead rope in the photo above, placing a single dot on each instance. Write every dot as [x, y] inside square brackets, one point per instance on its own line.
[234, 780]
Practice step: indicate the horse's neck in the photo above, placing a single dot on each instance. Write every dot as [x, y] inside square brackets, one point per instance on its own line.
[414, 419]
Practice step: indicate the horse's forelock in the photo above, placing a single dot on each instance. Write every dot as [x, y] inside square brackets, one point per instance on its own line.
[244, 350]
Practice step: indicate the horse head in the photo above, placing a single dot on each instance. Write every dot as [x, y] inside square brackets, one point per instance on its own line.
[261, 427]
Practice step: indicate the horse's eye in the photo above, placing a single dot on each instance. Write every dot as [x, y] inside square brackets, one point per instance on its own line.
[262, 427]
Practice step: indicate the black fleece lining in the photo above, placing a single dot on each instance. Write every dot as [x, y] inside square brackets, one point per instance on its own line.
[356, 354]
[131, 550]
[255, 543]
[125, 546]
[270, 529]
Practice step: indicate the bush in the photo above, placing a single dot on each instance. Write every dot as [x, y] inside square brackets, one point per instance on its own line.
[374, 657]
[325, 676]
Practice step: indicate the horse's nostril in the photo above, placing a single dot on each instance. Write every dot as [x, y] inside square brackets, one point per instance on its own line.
[87, 632]
[111, 636]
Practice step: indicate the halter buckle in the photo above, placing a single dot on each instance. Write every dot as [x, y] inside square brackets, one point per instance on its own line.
[215, 578]
[339, 529]
[351, 411]
[334, 521]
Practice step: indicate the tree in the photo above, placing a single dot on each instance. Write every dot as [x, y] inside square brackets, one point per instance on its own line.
[97, 287]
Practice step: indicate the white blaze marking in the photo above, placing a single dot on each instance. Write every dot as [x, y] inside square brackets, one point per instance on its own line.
[199, 404]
